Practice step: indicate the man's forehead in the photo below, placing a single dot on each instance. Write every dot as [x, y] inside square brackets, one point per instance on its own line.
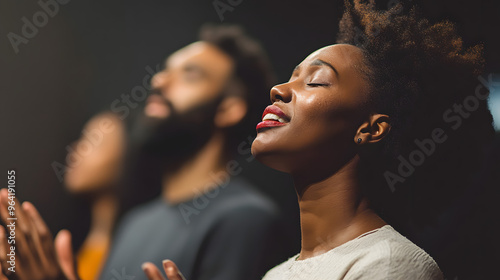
[195, 51]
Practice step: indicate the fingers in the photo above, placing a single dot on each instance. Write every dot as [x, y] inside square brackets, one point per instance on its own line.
[43, 240]
[16, 221]
[172, 271]
[36, 257]
[3, 250]
[9, 266]
[64, 253]
[170, 268]
[152, 271]
[44, 234]
[14, 217]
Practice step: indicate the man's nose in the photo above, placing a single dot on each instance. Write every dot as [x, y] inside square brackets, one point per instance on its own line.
[160, 80]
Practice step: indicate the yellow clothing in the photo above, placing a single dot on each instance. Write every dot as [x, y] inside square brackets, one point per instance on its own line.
[90, 260]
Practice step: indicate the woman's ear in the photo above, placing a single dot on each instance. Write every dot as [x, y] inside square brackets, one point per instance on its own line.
[373, 130]
[230, 112]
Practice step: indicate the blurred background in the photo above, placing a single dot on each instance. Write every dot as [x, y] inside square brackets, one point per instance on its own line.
[89, 53]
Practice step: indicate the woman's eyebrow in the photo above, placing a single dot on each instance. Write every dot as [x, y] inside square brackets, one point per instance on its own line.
[319, 62]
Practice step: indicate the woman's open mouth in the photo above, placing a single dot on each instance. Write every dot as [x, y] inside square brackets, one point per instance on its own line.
[273, 117]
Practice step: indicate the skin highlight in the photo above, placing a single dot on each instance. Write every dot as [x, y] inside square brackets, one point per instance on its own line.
[193, 75]
[325, 101]
[96, 176]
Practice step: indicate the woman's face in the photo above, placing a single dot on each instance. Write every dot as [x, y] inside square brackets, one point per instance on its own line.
[319, 109]
[94, 161]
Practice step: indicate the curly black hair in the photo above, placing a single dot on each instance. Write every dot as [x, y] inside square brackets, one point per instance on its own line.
[420, 75]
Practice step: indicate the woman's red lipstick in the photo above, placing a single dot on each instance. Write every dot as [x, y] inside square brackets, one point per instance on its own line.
[273, 117]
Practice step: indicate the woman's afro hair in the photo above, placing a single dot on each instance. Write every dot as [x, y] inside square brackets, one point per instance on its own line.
[423, 78]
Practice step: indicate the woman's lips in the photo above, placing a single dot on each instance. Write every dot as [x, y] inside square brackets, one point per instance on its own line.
[273, 117]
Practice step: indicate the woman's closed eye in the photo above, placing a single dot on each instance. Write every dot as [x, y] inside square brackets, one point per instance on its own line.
[318, 84]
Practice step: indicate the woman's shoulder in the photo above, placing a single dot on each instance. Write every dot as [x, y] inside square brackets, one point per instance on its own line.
[395, 246]
[380, 254]
[389, 254]
[281, 271]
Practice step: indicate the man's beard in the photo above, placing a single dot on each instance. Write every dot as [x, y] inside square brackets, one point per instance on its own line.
[179, 136]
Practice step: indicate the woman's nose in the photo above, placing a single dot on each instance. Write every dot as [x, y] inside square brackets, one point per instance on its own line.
[281, 92]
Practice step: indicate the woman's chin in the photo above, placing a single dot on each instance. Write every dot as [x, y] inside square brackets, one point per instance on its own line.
[270, 159]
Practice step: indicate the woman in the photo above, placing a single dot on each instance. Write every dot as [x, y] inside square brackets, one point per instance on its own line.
[94, 174]
[389, 117]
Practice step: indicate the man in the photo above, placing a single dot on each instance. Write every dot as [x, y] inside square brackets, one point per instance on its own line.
[207, 220]
[214, 226]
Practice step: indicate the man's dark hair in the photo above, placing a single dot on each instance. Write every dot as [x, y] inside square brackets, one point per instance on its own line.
[417, 71]
[252, 77]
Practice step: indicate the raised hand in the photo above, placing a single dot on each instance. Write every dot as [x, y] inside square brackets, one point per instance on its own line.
[27, 250]
[171, 270]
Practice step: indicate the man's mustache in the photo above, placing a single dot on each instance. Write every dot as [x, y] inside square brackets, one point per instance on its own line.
[159, 96]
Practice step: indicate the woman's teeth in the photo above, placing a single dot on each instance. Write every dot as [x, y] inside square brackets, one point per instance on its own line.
[272, 117]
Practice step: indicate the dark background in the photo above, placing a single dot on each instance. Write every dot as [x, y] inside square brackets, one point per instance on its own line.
[92, 52]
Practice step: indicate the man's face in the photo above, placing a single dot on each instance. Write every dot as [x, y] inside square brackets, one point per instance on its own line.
[179, 117]
[194, 75]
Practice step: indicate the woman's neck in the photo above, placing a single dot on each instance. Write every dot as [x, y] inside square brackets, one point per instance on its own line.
[103, 215]
[333, 211]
